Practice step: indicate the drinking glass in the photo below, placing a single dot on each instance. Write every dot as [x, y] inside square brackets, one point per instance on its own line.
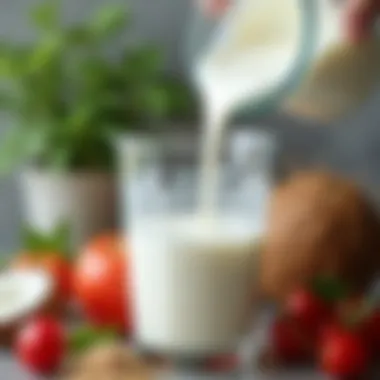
[194, 277]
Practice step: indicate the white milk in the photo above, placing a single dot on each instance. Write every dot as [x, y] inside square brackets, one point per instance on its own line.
[195, 284]
[253, 53]
[195, 275]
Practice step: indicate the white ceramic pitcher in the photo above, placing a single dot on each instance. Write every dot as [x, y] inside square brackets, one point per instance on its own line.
[326, 78]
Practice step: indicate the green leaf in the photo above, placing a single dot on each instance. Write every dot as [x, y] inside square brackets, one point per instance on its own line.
[108, 21]
[142, 63]
[79, 36]
[86, 337]
[6, 101]
[39, 243]
[60, 239]
[81, 117]
[330, 289]
[181, 100]
[33, 240]
[5, 68]
[155, 101]
[18, 146]
[95, 76]
[13, 61]
[61, 157]
[6, 60]
[46, 15]
[45, 53]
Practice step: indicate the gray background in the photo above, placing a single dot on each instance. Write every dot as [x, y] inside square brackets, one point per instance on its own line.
[351, 148]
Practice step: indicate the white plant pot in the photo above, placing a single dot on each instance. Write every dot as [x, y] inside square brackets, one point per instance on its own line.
[85, 200]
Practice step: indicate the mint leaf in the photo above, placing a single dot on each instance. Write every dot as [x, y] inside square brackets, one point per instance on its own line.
[20, 145]
[86, 337]
[109, 21]
[12, 150]
[329, 289]
[46, 15]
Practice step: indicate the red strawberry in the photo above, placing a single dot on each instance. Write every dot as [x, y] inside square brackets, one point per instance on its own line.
[288, 342]
[371, 331]
[344, 354]
[307, 310]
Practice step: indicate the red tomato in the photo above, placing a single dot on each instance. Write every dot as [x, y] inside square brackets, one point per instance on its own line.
[344, 354]
[288, 342]
[100, 283]
[40, 345]
[307, 310]
[56, 266]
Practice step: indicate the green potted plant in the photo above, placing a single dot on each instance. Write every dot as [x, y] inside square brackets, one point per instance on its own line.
[66, 95]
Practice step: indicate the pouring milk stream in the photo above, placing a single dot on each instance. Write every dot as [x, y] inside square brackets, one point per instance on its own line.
[253, 53]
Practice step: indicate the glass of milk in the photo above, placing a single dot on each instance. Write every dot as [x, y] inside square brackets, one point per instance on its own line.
[194, 272]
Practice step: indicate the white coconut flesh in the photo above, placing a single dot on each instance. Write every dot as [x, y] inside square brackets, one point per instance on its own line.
[21, 293]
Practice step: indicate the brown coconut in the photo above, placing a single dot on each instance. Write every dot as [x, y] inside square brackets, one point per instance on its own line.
[319, 224]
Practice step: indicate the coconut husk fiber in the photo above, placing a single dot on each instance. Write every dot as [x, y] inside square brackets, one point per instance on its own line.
[319, 225]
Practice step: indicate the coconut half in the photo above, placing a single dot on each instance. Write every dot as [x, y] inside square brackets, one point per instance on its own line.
[319, 224]
[22, 293]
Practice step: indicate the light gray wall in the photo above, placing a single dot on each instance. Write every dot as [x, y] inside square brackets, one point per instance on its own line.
[353, 150]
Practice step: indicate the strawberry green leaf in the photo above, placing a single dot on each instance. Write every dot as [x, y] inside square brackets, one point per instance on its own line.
[87, 336]
[330, 289]
[33, 241]
[60, 238]
[40, 243]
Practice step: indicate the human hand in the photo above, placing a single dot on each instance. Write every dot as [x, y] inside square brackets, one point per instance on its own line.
[213, 8]
[359, 15]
